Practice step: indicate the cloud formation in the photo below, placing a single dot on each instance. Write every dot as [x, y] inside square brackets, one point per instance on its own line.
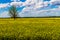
[34, 13]
[4, 5]
[26, 3]
[35, 8]
[39, 3]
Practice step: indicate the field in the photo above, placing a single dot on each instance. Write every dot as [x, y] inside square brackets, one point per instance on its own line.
[30, 29]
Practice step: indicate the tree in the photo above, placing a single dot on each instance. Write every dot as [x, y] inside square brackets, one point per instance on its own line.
[13, 12]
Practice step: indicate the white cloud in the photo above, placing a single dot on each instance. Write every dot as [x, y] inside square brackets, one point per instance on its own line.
[4, 5]
[55, 2]
[16, 3]
[4, 14]
[34, 13]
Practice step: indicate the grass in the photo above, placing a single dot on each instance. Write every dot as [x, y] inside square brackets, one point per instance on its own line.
[30, 29]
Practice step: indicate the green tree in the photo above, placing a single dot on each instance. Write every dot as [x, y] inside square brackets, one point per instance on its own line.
[13, 12]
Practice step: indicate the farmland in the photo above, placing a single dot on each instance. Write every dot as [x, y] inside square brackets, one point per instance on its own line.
[30, 29]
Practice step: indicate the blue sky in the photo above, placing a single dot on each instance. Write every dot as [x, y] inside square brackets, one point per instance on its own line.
[31, 8]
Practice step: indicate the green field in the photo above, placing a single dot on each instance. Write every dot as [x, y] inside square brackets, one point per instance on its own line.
[30, 29]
